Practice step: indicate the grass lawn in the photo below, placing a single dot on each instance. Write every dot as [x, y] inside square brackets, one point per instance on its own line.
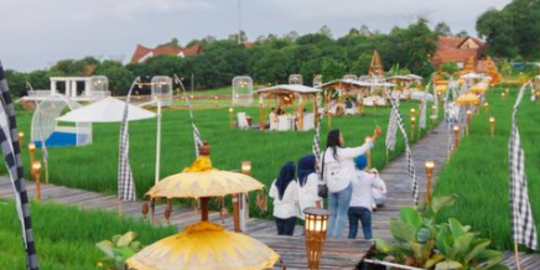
[65, 245]
[94, 167]
[478, 172]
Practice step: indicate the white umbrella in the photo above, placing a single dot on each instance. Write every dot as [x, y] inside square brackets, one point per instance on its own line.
[108, 110]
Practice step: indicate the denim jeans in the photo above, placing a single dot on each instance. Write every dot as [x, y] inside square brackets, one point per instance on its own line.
[364, 215]
[285, 226]
[338, 204]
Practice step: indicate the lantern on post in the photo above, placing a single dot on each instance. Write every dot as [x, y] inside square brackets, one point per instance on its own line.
[413, 112]
[469, 114]
[486, 107]
[316, 225]
[413, 121]
[503, 95]
[492, 126]
[32, 151]
[242, 212]
[36, 172]
[430, 165]
[456, 136]
[231, 123]
[21, 137]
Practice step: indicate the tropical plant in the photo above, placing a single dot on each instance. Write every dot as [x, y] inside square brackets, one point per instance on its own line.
[118, 250]
[463, 249]
[415, 233]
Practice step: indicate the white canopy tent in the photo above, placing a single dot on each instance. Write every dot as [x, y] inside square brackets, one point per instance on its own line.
[293, 88]
[108, 110]
[111, 110]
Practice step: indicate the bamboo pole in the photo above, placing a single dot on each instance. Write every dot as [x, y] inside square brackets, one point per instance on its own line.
[516, 254]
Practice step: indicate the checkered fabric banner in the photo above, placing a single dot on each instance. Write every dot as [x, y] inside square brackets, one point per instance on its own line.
[423, 112]
[524, 230]
[411, 170]
[197, 139]
[392, 127]
[9, 141]
[436, 101]
[126, 185]
[316, 143]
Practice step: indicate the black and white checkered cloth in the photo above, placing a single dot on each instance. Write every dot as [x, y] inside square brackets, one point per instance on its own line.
[11, 150]
[126, 185]
[524, 230]
[411, 170]
[423, 112]
[197, 139]
[316, 144]
[392, 127]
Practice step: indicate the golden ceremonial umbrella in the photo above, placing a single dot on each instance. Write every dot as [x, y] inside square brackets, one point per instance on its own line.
[468, 99]
[205, 246]
[441, 89]
[477, 89]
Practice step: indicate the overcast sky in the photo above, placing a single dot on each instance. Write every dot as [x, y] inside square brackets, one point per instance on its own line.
[37, 33]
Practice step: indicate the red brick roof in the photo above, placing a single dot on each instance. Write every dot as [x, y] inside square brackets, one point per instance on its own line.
[449, 50]
[168, 49]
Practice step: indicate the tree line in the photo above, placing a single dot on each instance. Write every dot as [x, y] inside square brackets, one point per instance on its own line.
[269, 60]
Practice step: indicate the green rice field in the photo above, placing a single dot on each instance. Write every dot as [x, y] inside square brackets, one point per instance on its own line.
[478, 172]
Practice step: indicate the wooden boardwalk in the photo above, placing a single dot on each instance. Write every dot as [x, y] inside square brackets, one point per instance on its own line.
[340, 254]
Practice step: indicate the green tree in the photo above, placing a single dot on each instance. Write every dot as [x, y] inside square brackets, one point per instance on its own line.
[496, 27]
[443, 29]
[332, 70]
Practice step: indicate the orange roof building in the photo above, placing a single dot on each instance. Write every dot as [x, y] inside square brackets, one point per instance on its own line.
[459, 50]
[142, 53]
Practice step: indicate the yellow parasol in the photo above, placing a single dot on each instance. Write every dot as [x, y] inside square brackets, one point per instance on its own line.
[477, 89]
[441, 89]
[205, 246]
[468, 99]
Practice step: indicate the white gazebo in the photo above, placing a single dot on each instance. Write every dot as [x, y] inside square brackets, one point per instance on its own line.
[317, 80]
[242, 91]
[162, 90]
[95, 88]
[296, 79]
[295, 95]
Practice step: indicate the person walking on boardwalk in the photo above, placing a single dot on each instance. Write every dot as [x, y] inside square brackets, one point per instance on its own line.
[338, 172]
[284, 191]
[361, 199]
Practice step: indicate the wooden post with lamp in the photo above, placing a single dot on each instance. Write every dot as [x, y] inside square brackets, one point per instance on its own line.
[231, 122]
[261, 114]
[32, 151]
[486, 107]
[316, 226]
[36, 172]
[456, 137]
[430, 165]
[469, 114]
[492, 126]
[21, 138]
[413, 121]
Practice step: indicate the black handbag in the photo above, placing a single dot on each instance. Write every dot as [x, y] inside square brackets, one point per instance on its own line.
[323, 188]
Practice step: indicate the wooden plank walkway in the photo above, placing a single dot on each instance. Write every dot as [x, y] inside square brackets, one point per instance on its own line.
[340, 254]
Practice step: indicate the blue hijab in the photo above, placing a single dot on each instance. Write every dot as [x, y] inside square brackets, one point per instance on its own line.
[361, 162]
[286, 176]
[306, 166]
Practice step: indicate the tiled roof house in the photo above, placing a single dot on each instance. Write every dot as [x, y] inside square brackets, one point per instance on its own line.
[459, 50]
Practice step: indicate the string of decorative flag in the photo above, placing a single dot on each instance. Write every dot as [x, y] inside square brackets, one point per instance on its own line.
[197, 139]
[411, 170]
[392, 129]
[126, 185]
[423, 110]
[316, 144]
[12, 155]
[523, 224]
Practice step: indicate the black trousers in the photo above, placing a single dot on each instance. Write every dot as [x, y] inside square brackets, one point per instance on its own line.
[285, 226]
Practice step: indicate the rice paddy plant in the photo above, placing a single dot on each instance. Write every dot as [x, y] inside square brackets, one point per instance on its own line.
[65, 236]
[94, 167]
[479, 171]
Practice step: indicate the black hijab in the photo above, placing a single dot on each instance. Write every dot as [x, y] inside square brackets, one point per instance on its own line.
[306, 166]
[286, 176]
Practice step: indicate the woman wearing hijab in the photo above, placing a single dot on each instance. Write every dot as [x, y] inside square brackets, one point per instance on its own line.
[338, 172]
[284, 191]
[308, 182]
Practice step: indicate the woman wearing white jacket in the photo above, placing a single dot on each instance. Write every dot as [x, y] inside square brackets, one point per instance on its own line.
[284, 191]
[308, 182]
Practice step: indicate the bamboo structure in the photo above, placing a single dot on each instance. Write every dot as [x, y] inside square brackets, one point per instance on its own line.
[376, 68]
